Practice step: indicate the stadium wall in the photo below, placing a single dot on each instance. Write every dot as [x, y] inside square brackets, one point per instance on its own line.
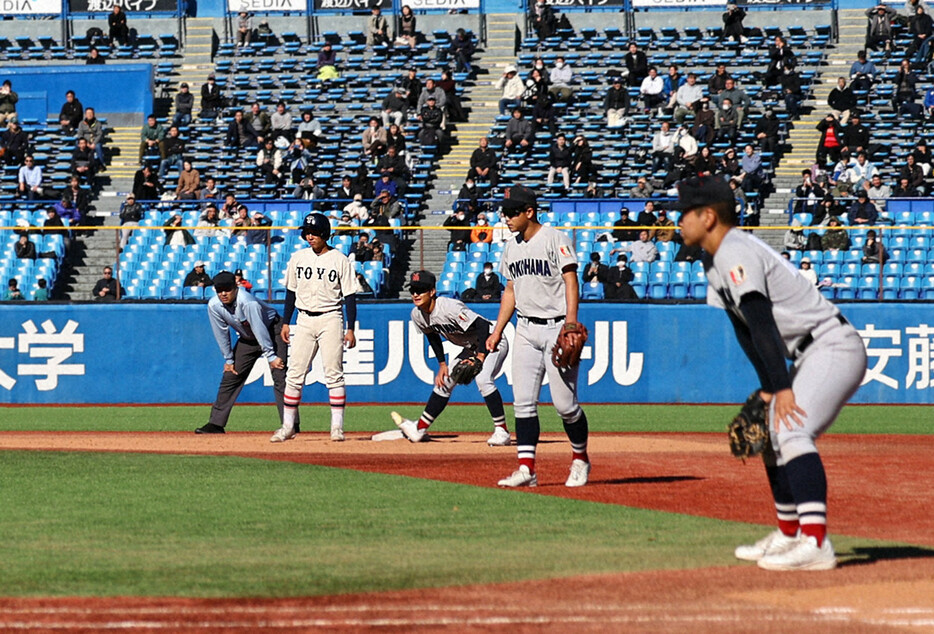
[638, 353]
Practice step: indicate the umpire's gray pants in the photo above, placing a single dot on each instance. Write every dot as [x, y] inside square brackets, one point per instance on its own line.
[246, 353]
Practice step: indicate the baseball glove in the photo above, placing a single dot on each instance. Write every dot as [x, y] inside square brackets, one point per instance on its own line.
[566, 352]
[749, 429]
[466, 370]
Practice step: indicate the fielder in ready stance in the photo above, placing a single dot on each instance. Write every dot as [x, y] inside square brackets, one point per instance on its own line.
[444, 316]
[258, 334]
[777, 315]
[318, 280]
[540, 267]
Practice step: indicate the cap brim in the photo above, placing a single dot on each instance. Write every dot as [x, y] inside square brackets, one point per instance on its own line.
[420, 287]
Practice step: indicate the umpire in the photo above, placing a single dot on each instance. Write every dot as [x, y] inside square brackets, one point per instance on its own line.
[258, 329]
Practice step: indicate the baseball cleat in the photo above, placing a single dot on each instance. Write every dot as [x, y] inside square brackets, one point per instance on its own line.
[580, 472]
[210, 428]
[774, 542]
[282, 434]
[408, 427]
[521, 477]
[805, 554]
[500, 438]
[337, 434]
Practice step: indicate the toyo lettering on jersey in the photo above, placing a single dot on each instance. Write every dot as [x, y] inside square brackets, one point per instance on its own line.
[316, 272]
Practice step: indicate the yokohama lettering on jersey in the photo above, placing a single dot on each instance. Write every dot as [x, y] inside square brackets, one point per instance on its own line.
[534, 267]
[320, 282]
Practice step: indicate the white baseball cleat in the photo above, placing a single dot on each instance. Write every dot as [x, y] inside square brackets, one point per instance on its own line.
[408, 427]
[337, 434]
[580, 472]
[805, 554]
[774, 542]
[521, 477]
[282, 434]
[500, 438]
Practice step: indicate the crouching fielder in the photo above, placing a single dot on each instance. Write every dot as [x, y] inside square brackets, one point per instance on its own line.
[436, 316]
[777, 315]
[318, 281]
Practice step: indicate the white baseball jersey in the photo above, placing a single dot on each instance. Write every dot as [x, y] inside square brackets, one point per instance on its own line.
[320, 282]
[451, 318]
[535, 270]
[744, 264]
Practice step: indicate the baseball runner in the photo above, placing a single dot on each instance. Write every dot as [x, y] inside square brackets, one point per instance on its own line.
[318, 280]
[777, 315]
[540, 267]
[258, 335]
[444, 316]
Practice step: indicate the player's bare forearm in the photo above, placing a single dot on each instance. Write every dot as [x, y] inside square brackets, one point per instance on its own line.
[285, 333]
[441, 377]
[350, 339]
[507, 307]
[571, 295]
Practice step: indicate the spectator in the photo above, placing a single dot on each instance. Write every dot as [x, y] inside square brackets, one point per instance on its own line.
[432, 89]
[733, 23]
[173, 148]
[543, 20]
[643, 250]
[688, 98]
[791, 92]
[737, 97]
[878, 192]
[616, 104]
[663, 148]
[189, 183]
[862, 73]
[244, 29]
[356, 209]
[459, 236]
[483, 163]
[259, 121]
[393, 166]
[618, 280]
[906, 91]
[862, 212]
[519, 134]
[131, 212]
[362, 252]
[408, 35]
[905, 189]
[808, 194]
[94, 58]
[212, 103]
[106, 288]
[842, 100]
[651, 90]
[281, 121]
[119, 32]
[394, 107]
[413, 87]
[197, 277]
[583, 160]
[559, 158]
[327, 58]
[643, 188]
[395, 138]
[374, 139]
[647, 217]
[146, 184]
[856, 136]
[488, 286]
[726, 122]
[482, 231]
[385, 205]
[432, 119]
[873, 250]
[913, 173]
[25, 249]
[210, 221]
[77, 195]
[637, 64]
[621, 228]
[261, 235]
[377, 29]
[752, 174]
[469, 195]
[380, 218]
[831, 140]
[780, 58]
[53, 225]
[705, 123]
[766, 131]
[827, 209]
[717, 82]
[673, 80]
[512, 88]
[91, 130]
[82, 161]
[462, 49]
[595, 271]
[269, 163]
[385, 183]
[794, 238]
[922, 156]
[175, 234]
[860, 172]
[560, 79]
[309, 130]
[879, 33]
[240, 134]
[41, 293]
[15, 144]
[667, 231]
[184, 105]
[30, 179]
[704, 163]
[921, 26]
[807, 272]
[836, 237]
[8, 99]
[71, 113]
[13, 293]
[501, 232]
[241, 281]
[210, 190]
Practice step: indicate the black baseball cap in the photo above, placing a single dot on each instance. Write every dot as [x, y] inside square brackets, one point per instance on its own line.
[224, 281]
[702, 191]
[519, 197]
[422, 281]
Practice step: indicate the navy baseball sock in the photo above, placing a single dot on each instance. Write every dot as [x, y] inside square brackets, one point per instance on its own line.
[785, 508]
[577, 433]
[809, 486]
[433, 408]
[494, 403]
[527, 433]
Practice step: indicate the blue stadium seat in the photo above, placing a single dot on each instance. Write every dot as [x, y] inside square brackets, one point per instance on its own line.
[592, 290]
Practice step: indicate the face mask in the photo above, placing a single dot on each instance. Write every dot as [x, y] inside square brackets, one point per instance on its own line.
[559, 65]
[460, 216]
[725, 107]
[621, 265]
[487, 271]
[539, 66]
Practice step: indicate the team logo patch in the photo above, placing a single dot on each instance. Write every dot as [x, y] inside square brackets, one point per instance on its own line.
[738, 275]
[462, 317]
[565, 251]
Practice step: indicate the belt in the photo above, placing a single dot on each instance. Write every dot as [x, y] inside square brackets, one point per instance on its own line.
[541, 321]
[811, 336]
[315, 314]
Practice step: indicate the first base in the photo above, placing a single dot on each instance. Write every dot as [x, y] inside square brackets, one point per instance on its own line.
[392, 434]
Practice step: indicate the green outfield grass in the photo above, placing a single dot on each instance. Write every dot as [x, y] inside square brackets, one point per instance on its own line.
[156, 525]
[877, 419]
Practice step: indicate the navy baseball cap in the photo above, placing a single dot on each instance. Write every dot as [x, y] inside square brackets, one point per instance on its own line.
[519, 197]
[224, 281]
[422, 281]
[702, 191]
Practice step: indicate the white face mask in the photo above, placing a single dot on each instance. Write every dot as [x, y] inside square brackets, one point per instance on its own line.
[621, 265]
[559, 65]
[725, 107]
[460, 216]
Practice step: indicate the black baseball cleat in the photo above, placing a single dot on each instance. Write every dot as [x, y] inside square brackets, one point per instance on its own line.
[296, 428]
[210, 428]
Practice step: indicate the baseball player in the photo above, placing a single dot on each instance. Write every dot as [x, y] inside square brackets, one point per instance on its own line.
[540, 267]
[258, 335]
[444, 316]
[318, 280]
[777, 315]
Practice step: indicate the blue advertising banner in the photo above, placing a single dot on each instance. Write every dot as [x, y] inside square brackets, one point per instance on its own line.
[642, 353]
